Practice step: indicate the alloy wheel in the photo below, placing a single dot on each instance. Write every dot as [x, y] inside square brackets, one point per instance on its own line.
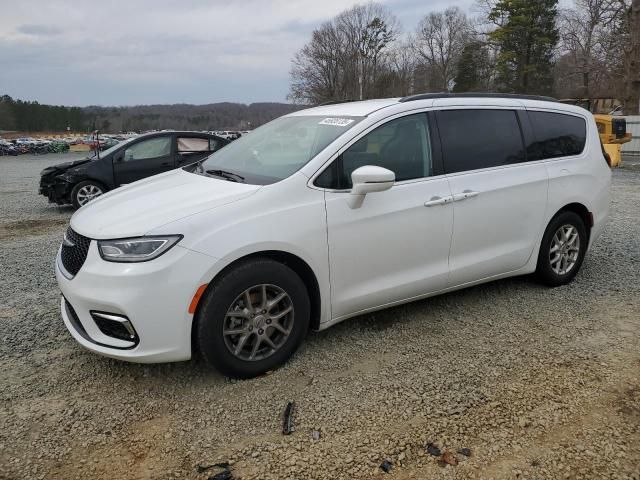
[258, 322]
[565, 249]
[87, 193]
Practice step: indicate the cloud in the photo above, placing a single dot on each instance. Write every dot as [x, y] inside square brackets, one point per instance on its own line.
[39, 30]
[163, 51]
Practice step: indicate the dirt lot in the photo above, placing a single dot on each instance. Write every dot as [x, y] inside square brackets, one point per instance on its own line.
[536, 382]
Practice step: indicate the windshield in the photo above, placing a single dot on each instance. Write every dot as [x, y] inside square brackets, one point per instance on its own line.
[276, 150]
[109, 150]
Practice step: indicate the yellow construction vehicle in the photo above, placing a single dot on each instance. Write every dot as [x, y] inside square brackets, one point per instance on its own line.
[612, 128]
[613, 133]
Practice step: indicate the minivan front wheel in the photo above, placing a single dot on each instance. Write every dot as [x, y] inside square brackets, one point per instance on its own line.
[86, 191]
[253, 318]
[562, 250]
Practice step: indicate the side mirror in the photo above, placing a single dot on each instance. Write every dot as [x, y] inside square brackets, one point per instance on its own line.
[369, 179]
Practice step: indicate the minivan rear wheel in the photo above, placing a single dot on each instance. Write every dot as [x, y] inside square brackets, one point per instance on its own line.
[562, 251]
[253, 318]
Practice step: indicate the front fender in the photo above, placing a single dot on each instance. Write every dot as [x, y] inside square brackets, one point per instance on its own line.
[286, 217]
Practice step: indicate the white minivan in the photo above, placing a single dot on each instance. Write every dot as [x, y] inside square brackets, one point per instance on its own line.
[328, 213]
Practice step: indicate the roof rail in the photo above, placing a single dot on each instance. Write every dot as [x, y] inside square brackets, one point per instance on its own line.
[432, 96]
[335, 102]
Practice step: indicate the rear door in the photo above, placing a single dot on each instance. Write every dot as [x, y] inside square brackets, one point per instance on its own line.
[499, 198]
[143, 158]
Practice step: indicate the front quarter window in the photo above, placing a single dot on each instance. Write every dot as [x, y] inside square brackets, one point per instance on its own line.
[278, 149]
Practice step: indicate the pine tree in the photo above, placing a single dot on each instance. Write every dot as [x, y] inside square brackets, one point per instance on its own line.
[526, 39]
[472, 70]
[7, 118]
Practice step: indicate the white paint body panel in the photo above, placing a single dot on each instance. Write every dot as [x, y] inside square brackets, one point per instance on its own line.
[496, 231]
[390, 250]
[135, 209]
[152, 295]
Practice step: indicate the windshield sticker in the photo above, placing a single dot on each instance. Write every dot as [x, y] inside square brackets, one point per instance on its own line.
[337, 122]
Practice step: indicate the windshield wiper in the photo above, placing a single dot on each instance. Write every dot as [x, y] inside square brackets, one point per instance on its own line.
[233, 177]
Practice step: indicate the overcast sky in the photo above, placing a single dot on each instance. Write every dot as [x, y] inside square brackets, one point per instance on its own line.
[160, 51]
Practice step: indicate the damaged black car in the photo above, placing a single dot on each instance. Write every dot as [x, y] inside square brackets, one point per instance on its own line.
[81, 181]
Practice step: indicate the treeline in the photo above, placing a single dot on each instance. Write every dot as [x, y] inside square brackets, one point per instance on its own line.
[33, 117]
[215, 116]
[588, 50]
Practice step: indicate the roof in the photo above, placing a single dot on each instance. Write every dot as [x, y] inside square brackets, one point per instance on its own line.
[180, 132]
[509, 96]
[356, 109]
[367, 107]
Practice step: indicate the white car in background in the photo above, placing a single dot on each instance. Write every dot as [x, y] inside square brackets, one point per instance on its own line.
[26, 141]
[329, 213]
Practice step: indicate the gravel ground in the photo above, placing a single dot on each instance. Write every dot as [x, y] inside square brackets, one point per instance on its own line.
[536, 382]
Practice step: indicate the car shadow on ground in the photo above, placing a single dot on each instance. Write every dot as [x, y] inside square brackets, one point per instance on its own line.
[195, 370]
[402, 314]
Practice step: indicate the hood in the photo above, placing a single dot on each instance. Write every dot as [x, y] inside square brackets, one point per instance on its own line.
[137, 208]
[62, 167]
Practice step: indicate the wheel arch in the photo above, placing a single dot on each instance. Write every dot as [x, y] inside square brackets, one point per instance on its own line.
[582, 211]
[77, 181]
[297, 264]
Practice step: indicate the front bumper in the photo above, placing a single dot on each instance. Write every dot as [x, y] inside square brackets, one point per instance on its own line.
[154, 296]
[56, 190]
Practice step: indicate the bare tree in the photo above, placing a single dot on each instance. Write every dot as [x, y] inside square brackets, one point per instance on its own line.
[440, 38]
[584, 33]
[369, 29]
[625, 43]
[376, 36]
[402, 62]
[343, 58]
[318, 69]
[618, 59]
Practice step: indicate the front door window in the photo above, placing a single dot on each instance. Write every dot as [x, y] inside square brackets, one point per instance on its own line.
[401, 145]
[152, 148]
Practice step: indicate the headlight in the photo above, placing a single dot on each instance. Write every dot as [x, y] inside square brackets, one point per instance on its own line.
[140, 249]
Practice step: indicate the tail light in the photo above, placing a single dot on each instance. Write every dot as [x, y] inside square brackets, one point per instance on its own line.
[606, 156]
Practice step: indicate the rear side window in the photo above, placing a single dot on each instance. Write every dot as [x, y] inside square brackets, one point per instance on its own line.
[556, 135]
[193, 144]
[473, 139]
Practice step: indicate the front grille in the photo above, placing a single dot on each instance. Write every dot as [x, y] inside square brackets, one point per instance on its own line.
[74, 251]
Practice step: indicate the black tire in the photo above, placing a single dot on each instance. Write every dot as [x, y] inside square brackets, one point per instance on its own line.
[75, 200]
[544, 271]
[220, 297]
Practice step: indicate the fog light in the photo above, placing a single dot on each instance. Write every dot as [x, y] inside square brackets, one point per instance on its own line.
[115, 326]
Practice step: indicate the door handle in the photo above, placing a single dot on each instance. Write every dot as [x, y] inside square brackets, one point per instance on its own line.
[164, 164]
[464, 195]
[433, 201]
